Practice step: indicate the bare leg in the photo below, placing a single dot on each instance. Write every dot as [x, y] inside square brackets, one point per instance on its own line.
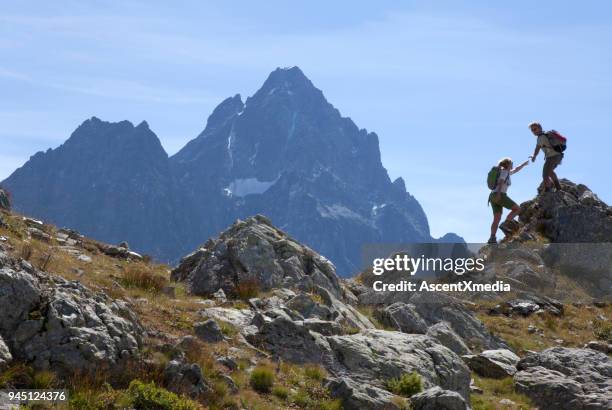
[555, 180]
[515, 210]
[495, 224]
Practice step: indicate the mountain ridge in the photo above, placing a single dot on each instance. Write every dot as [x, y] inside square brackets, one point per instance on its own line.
[285, 152]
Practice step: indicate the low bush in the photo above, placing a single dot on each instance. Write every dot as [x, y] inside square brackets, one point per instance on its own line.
[314, 372]
[142, 277]
[149, 396]
[406, 385]
[602, 330]
[281, 392]
[262, 379]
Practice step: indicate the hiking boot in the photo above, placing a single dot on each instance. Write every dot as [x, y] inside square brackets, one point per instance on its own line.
[492, 240]
[509, 227]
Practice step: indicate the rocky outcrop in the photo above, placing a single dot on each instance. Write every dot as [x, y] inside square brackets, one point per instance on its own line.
[566, 378]
[359, 396]
[444, 334]
[360, 363]
[403, 317]
[185, 378]
[288, 340]
[208, 331]
[497, 364]
[438, 399]
[579, 227]
[61, 325]
[375, 356]
[255, 253]
[574, 214]
[430, 308]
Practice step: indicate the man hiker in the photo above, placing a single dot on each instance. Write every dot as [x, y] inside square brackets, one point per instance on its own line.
[498, 197]
[553, 145]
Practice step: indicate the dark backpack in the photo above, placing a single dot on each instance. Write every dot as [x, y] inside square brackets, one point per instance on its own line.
[557, 141]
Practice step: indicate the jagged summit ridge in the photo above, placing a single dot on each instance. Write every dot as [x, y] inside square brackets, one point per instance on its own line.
[286, 153]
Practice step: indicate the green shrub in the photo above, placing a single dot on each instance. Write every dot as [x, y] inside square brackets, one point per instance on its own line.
[406, 385]
[43, 380]
[329, 405]
[602, 330]
[314, 372]
[227, 329]
[281, 392]
[262, 379]
[149, 396]
[142, 277]
[301, 398]
[16, 376]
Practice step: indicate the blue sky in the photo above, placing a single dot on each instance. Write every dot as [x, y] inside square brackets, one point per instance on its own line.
[448, 87]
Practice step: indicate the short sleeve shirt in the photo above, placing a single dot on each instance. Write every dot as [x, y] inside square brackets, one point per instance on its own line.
[546, 147]
[503, 181]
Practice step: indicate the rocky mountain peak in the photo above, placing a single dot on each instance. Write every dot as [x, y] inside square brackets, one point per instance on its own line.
[286, 153]
[225, 111]
[288, 78]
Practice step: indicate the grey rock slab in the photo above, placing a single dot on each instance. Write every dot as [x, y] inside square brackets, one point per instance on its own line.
[361, 396]
[444, 334]
[566, 378]
[438, 399]
[497, 364]
[375, 356]
[208, 331]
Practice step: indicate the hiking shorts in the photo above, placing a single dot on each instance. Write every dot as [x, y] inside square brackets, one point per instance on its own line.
[504, 202]
[550, 164]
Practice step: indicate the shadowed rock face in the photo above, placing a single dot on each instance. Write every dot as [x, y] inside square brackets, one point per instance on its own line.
[111, 181]
[579, 227]
[285, 153]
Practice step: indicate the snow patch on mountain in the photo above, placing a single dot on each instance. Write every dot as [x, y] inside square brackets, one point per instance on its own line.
[248, 186]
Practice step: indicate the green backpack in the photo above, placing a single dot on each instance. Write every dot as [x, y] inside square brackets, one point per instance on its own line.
[492, 177]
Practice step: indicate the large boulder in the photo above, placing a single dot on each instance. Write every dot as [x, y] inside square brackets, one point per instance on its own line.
[424, 309]
[361, 396]
[579, 226]
[254, 253]
[436, 307]
[375, 356]
[566, 378]
[61, 325]
[574, 214]
[497, 364]
[292, 341]
[208, 331]
[403, 317]
[438, 399]
[185, 378]
[445, 335]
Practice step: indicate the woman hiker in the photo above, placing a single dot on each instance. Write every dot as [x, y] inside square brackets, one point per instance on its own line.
[499, 199]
